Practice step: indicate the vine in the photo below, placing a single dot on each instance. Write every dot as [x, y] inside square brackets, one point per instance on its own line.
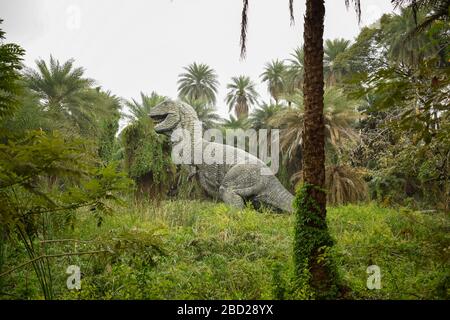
[313, 265]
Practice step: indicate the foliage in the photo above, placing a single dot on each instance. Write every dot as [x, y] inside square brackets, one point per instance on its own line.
[59, 182]
[312, 243]
[260, 117]
[402, 48]
[241, 95]
[409, 247]
[140, 110]
[420, 98]
[405, 134]
[438, 11]
[332, 50]
[404, 92]
[27, 162]
[59, 97]
[415, 176]
[109, 125]
[10, 65]
[147, 158]
[339, 115]
[364, 54]
[210, 251]
[29, 114]
[274, 75]
[294, 72]
[236, 123]
[199, 82]
[67, 96]
[43, 174]
[147, 155]
[344, 184]
[205, 112]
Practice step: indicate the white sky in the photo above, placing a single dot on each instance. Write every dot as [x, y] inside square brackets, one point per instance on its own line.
[142, 45]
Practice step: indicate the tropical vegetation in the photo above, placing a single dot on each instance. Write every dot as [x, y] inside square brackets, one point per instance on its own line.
[364, 133]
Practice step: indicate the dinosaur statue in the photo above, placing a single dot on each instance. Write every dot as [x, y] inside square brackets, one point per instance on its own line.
[234, 183]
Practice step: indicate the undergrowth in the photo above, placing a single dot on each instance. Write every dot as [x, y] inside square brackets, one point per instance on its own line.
[203, 250]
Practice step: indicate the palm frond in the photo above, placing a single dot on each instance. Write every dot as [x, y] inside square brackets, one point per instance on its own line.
[291, 12]
[357, 5]
[244, 22]
[344, 184]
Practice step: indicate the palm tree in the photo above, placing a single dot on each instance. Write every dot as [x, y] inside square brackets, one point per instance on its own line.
[57, 83]
[11, 56]
[343, 183]
[295, 69]
[260, 117]
[66, 94]
[241, 96]
[140, 110]
[438, 10]
[333, 48]
[403, 48]
[291, 136]
[198, 82]
[339, 116]
[322, 279]
[274, 75]
[205, 112]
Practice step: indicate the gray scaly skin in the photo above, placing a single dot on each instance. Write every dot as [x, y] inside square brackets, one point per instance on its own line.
[233, 183]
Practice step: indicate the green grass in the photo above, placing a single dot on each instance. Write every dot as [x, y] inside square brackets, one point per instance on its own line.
[211, 251]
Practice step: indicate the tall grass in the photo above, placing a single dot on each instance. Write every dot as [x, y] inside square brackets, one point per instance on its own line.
[203, 250]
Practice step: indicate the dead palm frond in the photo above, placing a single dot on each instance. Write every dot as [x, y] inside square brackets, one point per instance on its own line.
[244, 20]
[344, 184]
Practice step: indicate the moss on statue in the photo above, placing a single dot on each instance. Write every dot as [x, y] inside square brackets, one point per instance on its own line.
[147, 159]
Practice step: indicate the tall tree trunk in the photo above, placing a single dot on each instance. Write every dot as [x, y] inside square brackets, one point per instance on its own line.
[313, 90]
[312, 236]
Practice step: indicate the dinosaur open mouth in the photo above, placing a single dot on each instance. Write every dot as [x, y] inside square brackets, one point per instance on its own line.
[159, 118]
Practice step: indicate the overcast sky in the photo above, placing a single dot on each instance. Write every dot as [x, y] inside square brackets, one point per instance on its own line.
[142, 45]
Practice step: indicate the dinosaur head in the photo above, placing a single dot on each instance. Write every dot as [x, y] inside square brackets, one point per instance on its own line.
[165, 116]
[170, 115]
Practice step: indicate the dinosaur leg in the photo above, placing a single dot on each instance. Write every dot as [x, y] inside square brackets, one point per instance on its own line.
[231, 198]
[246, 182]
[241, 182]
